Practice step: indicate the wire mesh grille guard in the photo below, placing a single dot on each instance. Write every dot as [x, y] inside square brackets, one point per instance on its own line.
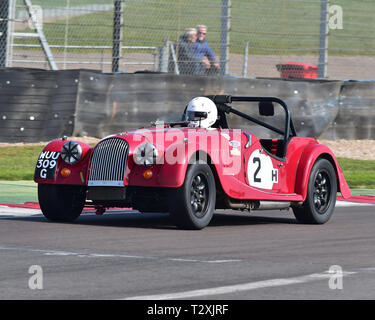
[108, 163]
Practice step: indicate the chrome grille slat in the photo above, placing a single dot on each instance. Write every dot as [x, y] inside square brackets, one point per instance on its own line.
[123, 164]
[108, 163]
[113, 169]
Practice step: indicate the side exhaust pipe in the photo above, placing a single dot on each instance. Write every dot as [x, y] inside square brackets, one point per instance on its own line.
[273, 205]
[257, 205]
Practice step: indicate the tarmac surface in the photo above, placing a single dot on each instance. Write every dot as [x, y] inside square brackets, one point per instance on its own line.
[128, 255]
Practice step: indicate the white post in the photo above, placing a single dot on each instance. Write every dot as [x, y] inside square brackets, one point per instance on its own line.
[66, 37]
[245, 58]
[41, 35]
[323, 43]
[11, 17]
[225, 36]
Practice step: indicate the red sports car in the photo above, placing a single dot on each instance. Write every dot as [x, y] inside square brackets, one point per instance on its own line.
[193, 166]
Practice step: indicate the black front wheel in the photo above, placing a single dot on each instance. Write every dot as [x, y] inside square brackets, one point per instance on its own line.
[321, 195]
[192, 205]
[61, 203]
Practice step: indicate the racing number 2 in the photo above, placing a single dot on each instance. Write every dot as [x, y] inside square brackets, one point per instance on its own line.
[257, 160]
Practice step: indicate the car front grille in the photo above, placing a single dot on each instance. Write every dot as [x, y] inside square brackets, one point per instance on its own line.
[108, 163]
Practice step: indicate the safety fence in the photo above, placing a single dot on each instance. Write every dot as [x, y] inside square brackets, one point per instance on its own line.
[39, 105]
[250, 38]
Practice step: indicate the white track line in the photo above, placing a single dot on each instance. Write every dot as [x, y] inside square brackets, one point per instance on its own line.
[238, 287]
[106, 255]
[343, 204]
[18, 212]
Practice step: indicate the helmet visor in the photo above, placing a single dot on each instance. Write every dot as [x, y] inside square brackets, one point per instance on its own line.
[196, 115]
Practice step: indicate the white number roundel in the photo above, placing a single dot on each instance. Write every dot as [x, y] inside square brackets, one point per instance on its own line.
[260, 171]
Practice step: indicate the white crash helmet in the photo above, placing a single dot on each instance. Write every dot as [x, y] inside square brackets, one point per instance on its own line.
[201, 112]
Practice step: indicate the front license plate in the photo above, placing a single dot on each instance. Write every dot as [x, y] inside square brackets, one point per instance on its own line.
[46, 165]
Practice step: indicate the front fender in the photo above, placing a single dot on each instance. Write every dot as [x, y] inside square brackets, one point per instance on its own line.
[46, 171]
[309, 156]
[175, 162]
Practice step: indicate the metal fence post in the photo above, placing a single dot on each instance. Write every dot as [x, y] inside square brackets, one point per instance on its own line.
[11, 17]
[224, 36]
[164, 57]
[4, 13]
[245, 59]
[323, 43]
[117, 35]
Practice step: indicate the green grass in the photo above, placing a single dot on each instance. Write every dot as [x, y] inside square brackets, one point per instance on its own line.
[358, 173]
[18, 162]
[18, 192]
[271, 27]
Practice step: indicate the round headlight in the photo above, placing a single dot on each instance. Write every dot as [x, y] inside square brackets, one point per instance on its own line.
[146, 155]
[71, 152]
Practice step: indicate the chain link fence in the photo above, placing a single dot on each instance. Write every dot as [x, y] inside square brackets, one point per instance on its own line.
[249, 38]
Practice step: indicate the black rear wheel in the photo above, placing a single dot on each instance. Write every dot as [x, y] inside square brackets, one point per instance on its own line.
[192, 205]
[321, 195]
[61, 203]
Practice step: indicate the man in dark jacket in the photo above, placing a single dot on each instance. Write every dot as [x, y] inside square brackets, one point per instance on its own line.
[188, 60]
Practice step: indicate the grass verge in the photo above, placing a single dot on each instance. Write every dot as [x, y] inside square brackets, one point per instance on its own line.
[18, 162]
[12, 192]
[360, 174]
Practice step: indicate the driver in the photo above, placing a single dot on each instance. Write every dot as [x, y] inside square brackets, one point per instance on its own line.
[201, 112]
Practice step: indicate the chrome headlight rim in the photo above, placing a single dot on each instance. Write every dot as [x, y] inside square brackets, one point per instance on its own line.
[146, 155]
[71, 152]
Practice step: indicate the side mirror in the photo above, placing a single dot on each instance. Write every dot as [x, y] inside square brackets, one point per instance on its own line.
[266, 108]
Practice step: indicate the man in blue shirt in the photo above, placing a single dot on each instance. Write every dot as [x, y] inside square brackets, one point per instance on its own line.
[205, 52]
[188, 60]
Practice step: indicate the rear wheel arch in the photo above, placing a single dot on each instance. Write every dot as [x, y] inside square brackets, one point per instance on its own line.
[312, 154]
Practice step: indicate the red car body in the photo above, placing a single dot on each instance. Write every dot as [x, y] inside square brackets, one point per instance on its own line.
[250, 173]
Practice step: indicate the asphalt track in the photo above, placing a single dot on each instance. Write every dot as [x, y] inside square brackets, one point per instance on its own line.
[265, 255]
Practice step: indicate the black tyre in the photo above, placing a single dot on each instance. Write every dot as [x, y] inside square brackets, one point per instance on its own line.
[61, 203]
[321, 195]
[192, 205]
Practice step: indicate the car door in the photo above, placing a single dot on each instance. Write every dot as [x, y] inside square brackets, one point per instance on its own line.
[262, 170]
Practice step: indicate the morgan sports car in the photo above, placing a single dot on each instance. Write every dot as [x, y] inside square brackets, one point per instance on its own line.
[190, 167]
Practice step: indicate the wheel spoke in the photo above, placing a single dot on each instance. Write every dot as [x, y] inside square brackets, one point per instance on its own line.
[197, 180]
[201, 186]
[201, 195]
[195, 207]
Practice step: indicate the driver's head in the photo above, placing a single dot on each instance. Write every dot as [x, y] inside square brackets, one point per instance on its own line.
[201, 112]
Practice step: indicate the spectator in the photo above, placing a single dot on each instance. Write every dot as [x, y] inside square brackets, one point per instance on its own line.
[188, 60]
[205, 52]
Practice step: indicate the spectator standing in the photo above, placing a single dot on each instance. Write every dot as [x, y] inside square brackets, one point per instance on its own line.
[188, 59]
[205, 53]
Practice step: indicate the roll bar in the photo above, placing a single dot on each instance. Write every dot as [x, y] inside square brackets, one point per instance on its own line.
[221, 102]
